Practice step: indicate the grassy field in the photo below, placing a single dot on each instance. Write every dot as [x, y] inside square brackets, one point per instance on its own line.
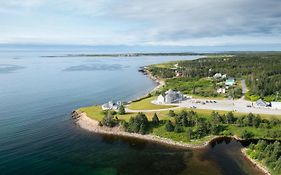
[95, 112]
[179, 137]
[146, 104]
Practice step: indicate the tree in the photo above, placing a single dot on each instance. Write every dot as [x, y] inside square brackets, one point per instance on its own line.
[230, 118]
[121, 110]
[155, 120]
[189, 134]
[246, 134]
[142, 129]
[169, 126]
[177, 128]
[108, 120]
[138, 124]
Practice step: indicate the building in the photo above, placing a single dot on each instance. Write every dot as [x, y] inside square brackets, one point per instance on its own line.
[170, 96]
[276, 105]
[111, 105]
[178, 73]
[221, 90]
[261, 103]
[230, 82]
[217, 75]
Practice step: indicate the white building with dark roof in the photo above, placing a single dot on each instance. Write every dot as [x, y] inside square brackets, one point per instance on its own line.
[111, 105]
[261, 103]
[170, 96]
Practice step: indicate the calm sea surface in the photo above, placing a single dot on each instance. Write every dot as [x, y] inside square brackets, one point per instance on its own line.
[37, 135]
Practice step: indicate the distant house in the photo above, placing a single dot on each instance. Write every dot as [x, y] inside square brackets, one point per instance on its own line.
[111, 105]
[178, 73]
[276, 105]
[221, 90]
[230, 82]
[170, 96]
[217, 76]
[261, 103]
[223, 76]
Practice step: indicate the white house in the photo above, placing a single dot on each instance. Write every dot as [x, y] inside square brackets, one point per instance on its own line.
[221, 90]
[217, 75]
[111, 105]
[170, 96]
[276, 105]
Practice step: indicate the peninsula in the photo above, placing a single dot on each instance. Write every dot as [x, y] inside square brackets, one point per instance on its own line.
[200, 100]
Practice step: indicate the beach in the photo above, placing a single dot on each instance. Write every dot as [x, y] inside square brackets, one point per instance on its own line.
[84, 122]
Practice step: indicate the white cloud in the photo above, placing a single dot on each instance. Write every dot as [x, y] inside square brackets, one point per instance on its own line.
[177, 22]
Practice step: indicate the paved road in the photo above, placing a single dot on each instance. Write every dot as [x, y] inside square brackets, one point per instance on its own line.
[225, 105]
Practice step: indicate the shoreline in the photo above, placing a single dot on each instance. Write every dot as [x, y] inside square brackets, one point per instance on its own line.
[160, 83]
[255, 163]
[91, 125]
[84, 122]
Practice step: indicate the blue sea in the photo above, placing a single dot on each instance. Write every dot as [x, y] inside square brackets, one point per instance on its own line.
[38, 136]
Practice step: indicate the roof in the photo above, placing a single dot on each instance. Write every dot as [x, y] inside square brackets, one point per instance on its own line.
[260, 102]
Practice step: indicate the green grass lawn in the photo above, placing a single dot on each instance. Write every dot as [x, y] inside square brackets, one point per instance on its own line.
[145, 104]
[95, 112]
[179, 137]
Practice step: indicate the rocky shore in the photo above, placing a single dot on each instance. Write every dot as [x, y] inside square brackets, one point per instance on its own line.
[92, 125]
[256, 163]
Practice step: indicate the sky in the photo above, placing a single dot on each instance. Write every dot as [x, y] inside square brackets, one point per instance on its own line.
[142, 22]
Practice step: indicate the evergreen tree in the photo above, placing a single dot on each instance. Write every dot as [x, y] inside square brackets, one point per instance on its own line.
[121, 110]
[229, 118]
[155, 120]
[169, 126]
[177, 128]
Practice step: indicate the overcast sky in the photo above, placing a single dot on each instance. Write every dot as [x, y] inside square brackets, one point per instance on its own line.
[141, 22]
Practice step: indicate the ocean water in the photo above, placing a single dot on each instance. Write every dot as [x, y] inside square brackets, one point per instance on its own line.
[38, 136]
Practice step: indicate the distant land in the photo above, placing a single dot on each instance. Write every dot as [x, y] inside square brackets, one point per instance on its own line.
[165, 54]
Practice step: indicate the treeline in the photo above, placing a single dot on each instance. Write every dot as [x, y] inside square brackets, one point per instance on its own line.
[267, 153]
[262, 72]
[197, 127]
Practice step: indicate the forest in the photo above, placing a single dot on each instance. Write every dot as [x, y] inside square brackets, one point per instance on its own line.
[268, 154]
[262, 71]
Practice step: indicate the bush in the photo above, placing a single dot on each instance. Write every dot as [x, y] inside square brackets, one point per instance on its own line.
[178, 128]
[246, 134]
[169, 126]
[109, 120]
